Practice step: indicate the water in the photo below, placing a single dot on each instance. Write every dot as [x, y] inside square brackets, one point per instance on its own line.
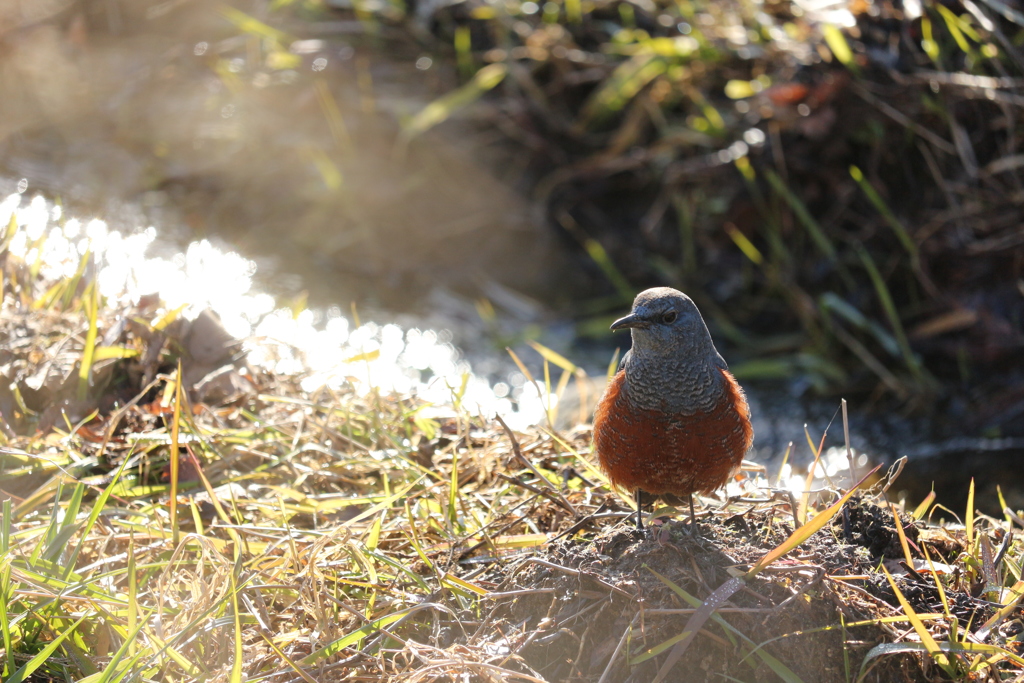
[325, 344]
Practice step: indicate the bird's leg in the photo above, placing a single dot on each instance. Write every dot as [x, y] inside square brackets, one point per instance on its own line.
[639, 510]
[693, 516]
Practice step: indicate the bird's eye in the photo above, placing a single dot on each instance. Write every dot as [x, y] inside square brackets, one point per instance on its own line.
[669, 318]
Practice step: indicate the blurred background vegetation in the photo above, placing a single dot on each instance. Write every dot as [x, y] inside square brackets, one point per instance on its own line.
[837, 184]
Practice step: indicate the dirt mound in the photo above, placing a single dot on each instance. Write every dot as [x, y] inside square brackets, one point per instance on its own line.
[592, 608]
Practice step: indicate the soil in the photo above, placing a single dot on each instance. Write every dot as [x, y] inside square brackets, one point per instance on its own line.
[584, 595]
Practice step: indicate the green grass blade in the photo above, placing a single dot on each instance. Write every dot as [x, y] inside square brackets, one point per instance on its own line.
[236, 665]
[6, 588]
[175, 456]
[453, 493]
[628, 79]
[85, 367]
[885, 297]
[812, 227]
[834, 303]
[43, 548]
[598, 254]
[443, 107]
[133, 591]
[72, 285]
[901, 232]
[780, 669]
[30, 667]
[97, 508]
[352, 638]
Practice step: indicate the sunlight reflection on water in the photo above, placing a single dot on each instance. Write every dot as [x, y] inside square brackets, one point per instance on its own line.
[322, 344]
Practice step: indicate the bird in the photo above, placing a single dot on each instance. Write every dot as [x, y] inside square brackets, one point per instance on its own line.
[673, 420]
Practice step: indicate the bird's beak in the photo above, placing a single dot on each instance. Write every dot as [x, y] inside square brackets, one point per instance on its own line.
[630, 321]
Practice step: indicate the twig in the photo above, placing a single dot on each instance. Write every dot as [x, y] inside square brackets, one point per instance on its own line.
[562, 500]
[846, 436]
[540, 492]
[580, 524]
[564, 570]
[618, 648]
[892, 475]
[514, 594]
[1001, 553]
[913, 572]
[900, 118]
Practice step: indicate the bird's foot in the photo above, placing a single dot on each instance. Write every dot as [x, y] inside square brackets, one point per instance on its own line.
[640, 514]
[692, 528]
[643, 531]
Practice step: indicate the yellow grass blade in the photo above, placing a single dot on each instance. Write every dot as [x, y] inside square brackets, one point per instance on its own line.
[836, 42]
[969, 519]
[999, 489]
[169, 317]
[553, 357]
[522, 367]
[807, 530]
[785, 459]
[175, 456]
[805, 498]
[107, 352]
[902, 535]
[592, 470]
[922, 509]
[744, 244]
[361, 357]
[253, 26]
[466, 585]
[922, 631]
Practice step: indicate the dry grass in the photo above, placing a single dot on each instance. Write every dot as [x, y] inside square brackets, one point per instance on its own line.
[350, 535]
[333, 537]
[153, 531]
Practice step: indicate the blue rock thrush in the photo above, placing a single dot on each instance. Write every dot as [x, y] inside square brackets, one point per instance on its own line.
[673, 420]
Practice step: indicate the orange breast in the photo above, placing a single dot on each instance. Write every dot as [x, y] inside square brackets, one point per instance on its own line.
[670, 453]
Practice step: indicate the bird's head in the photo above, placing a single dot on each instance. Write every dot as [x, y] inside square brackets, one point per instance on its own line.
[666, 322]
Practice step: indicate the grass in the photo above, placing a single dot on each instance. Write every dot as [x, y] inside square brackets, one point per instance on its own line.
[287, 534]
[338, 534]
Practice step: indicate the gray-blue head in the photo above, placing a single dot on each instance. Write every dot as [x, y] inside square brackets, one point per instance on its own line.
[665, 323]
